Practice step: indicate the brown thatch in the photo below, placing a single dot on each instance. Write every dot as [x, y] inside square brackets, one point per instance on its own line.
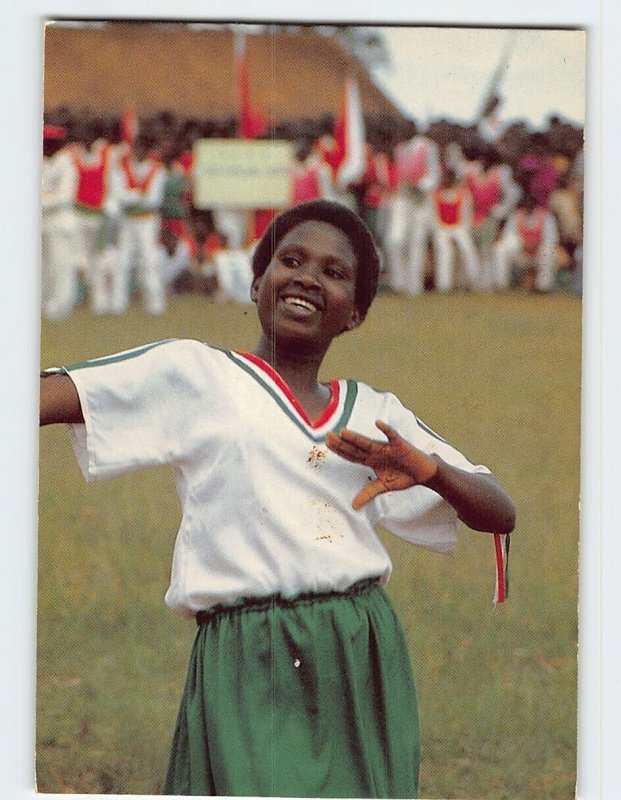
[154, 66]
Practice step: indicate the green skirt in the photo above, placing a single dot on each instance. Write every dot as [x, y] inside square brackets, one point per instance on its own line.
[310, 697]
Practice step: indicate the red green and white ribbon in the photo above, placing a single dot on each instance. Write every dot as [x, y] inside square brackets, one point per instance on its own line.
[501, 544]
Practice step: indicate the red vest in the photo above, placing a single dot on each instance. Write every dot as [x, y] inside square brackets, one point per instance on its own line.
[485, 191]
[449, 203]
[91, 189]
[411, 163]
[305, 183]
[133, 181]
[530, 231]
[382, 179]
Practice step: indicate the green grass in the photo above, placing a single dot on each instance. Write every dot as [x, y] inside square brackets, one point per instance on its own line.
[500, 378]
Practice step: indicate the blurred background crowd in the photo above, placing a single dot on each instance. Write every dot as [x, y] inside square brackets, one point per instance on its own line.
[489, 206]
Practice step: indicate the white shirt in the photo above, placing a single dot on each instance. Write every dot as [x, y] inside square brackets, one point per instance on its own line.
[266, 506]
[128, 199]
[58, 185]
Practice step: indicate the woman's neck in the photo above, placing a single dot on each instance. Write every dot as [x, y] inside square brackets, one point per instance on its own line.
[298, 369]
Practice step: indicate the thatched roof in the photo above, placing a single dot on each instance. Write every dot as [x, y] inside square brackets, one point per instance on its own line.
[155, 66]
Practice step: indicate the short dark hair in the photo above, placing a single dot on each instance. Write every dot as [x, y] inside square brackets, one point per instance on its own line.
[341, 217]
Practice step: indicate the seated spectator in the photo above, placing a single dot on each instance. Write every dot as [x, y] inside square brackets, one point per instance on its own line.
[233, 273]
[528, 244]
[174, 259]
[564, 203]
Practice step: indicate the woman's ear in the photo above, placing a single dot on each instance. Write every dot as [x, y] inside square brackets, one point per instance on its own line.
[254, 289]
[354, 321]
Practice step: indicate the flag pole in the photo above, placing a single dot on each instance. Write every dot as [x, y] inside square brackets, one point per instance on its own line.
[497, 76]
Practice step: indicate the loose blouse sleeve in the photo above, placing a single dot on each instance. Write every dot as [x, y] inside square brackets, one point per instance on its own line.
[137, 407]
[420, 515]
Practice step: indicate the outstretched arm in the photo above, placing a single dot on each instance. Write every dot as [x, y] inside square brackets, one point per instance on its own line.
[479, 499]
[59, 401]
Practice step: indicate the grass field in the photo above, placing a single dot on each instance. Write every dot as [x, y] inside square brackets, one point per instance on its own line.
[499, 376]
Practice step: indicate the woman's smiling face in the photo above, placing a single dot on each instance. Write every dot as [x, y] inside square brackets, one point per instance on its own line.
[306, 296]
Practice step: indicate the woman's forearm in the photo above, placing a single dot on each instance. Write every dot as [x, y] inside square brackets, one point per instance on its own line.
[479, 498]
[59, 400]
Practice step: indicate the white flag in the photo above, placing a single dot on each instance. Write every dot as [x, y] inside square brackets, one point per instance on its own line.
[349, 134]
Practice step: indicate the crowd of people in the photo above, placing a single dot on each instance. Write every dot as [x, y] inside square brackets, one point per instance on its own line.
[484, 207]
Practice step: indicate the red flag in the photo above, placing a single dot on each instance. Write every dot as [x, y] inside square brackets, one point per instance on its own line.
[345, 153]
[252, 121]
[129, 125]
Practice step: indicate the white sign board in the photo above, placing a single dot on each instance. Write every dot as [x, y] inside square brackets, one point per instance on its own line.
[241, 173]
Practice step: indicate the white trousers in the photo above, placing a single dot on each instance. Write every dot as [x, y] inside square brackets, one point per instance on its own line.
[59, 270]
[409, 229]
[95, 260]
[445, 238]
[484, 237]
[509, 252]
[138, 238]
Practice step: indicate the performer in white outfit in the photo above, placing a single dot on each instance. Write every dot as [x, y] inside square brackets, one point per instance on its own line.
[283, 482]
[417, 166]
[92, 160]
[452, 205]
[494, 197]
[58, 226]
[138, 188]
[529, 242]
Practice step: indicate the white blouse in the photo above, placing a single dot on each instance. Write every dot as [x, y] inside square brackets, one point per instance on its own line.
[266, 506]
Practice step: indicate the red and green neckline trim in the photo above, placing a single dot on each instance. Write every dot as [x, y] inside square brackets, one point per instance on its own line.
[273, 383]
[318, 422]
